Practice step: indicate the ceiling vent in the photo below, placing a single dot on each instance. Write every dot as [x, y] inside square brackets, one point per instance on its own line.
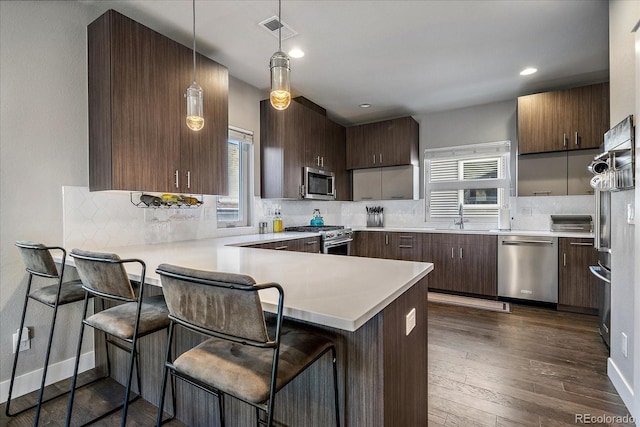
[272, 24]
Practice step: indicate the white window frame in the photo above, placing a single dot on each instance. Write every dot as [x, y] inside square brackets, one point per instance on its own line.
[245, 139]
[464, 155]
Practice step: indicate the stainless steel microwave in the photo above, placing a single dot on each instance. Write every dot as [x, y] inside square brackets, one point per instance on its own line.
[318, 184]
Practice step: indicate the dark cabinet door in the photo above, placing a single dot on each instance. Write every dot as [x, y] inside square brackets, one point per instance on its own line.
[359, 153]
[478, 272]
[335, 151]
[539, 127]
[282, 150]
[577, 287]
[204, 156]
[398, 142]
[371, 244]
[590, 116]
[314, 139]
[439, 249]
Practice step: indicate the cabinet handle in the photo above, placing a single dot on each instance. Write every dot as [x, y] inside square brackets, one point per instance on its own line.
[188, 179]
[380, 158]
[311, 243]
[547, 193]
[279, 248]
[322, 161]
[177, 182]
[461, 254]
[564, 259]
[318, 161]
[386, 239]
[374, 159]
[580, 244]
[577, 142]
[564, 139]
[405, 246]
[452, 255]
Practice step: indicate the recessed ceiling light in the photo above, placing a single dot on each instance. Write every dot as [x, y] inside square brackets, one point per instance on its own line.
[528, 71]
[365, 105]
[296, 53]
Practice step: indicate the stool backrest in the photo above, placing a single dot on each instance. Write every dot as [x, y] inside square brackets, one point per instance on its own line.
[224, 303]
[37, 258]
[103, 274]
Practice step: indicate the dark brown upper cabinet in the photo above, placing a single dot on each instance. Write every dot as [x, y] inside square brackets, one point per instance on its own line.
[386, 143]
[300, 136]
[138, 138]
[572, 119]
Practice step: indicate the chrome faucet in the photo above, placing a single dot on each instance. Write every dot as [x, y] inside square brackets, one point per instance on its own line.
[461, 221]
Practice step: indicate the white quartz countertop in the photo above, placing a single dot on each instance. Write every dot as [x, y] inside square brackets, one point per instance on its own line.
[544, 233]
[332, 290]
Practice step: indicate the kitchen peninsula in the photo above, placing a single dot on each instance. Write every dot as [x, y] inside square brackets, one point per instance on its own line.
[363, 303]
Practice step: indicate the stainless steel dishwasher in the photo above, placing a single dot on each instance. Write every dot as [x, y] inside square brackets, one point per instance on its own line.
[528, 268]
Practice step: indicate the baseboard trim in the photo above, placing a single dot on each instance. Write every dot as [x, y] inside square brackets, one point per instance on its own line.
[622, 386]
[26, 383]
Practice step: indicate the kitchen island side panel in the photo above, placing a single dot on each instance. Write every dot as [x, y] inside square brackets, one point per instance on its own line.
[405, 359]
[382, 375]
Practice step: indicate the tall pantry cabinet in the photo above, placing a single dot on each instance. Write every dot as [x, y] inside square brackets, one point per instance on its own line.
[138, 138]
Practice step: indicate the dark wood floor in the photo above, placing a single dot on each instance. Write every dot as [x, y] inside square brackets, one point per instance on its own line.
[89, 402]
[533, 367]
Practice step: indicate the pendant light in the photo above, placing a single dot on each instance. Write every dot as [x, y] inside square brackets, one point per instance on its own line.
[194, 94]
[279, 65]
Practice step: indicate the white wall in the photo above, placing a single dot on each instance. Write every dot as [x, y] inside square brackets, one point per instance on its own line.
[623, 16]
[43, 147]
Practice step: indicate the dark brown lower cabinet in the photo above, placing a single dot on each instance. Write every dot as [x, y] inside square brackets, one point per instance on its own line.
[577, 287]
[388, 245]
[465, 263]
[309, 244]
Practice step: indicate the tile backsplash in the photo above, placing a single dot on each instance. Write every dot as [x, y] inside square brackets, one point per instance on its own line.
[109, 218]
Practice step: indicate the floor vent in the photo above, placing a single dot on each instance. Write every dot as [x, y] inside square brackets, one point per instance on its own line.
[272, 24]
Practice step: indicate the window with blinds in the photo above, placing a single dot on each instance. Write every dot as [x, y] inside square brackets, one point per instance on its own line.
[474, 176]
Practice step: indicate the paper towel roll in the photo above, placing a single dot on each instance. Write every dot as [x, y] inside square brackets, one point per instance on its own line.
[504, 219]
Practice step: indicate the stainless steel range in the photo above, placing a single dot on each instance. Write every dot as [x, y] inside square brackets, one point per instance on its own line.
[336, 239]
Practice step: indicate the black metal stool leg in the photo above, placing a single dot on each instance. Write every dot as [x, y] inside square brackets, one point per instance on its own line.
[75, 369]
[46, 361]
[163, 384]
[15, 358]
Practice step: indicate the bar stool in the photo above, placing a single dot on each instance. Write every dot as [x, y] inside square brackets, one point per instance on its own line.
[104, 277]
[39, 262]
[244, 357]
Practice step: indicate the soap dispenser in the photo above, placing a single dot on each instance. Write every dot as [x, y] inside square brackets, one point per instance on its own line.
[277, 222]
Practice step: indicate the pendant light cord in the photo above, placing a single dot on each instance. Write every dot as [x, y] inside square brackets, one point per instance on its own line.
[279, 25]
[194, 41]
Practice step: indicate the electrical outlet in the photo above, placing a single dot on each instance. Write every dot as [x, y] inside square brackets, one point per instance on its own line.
[410, 321]
[624, 343]
[24, 340]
